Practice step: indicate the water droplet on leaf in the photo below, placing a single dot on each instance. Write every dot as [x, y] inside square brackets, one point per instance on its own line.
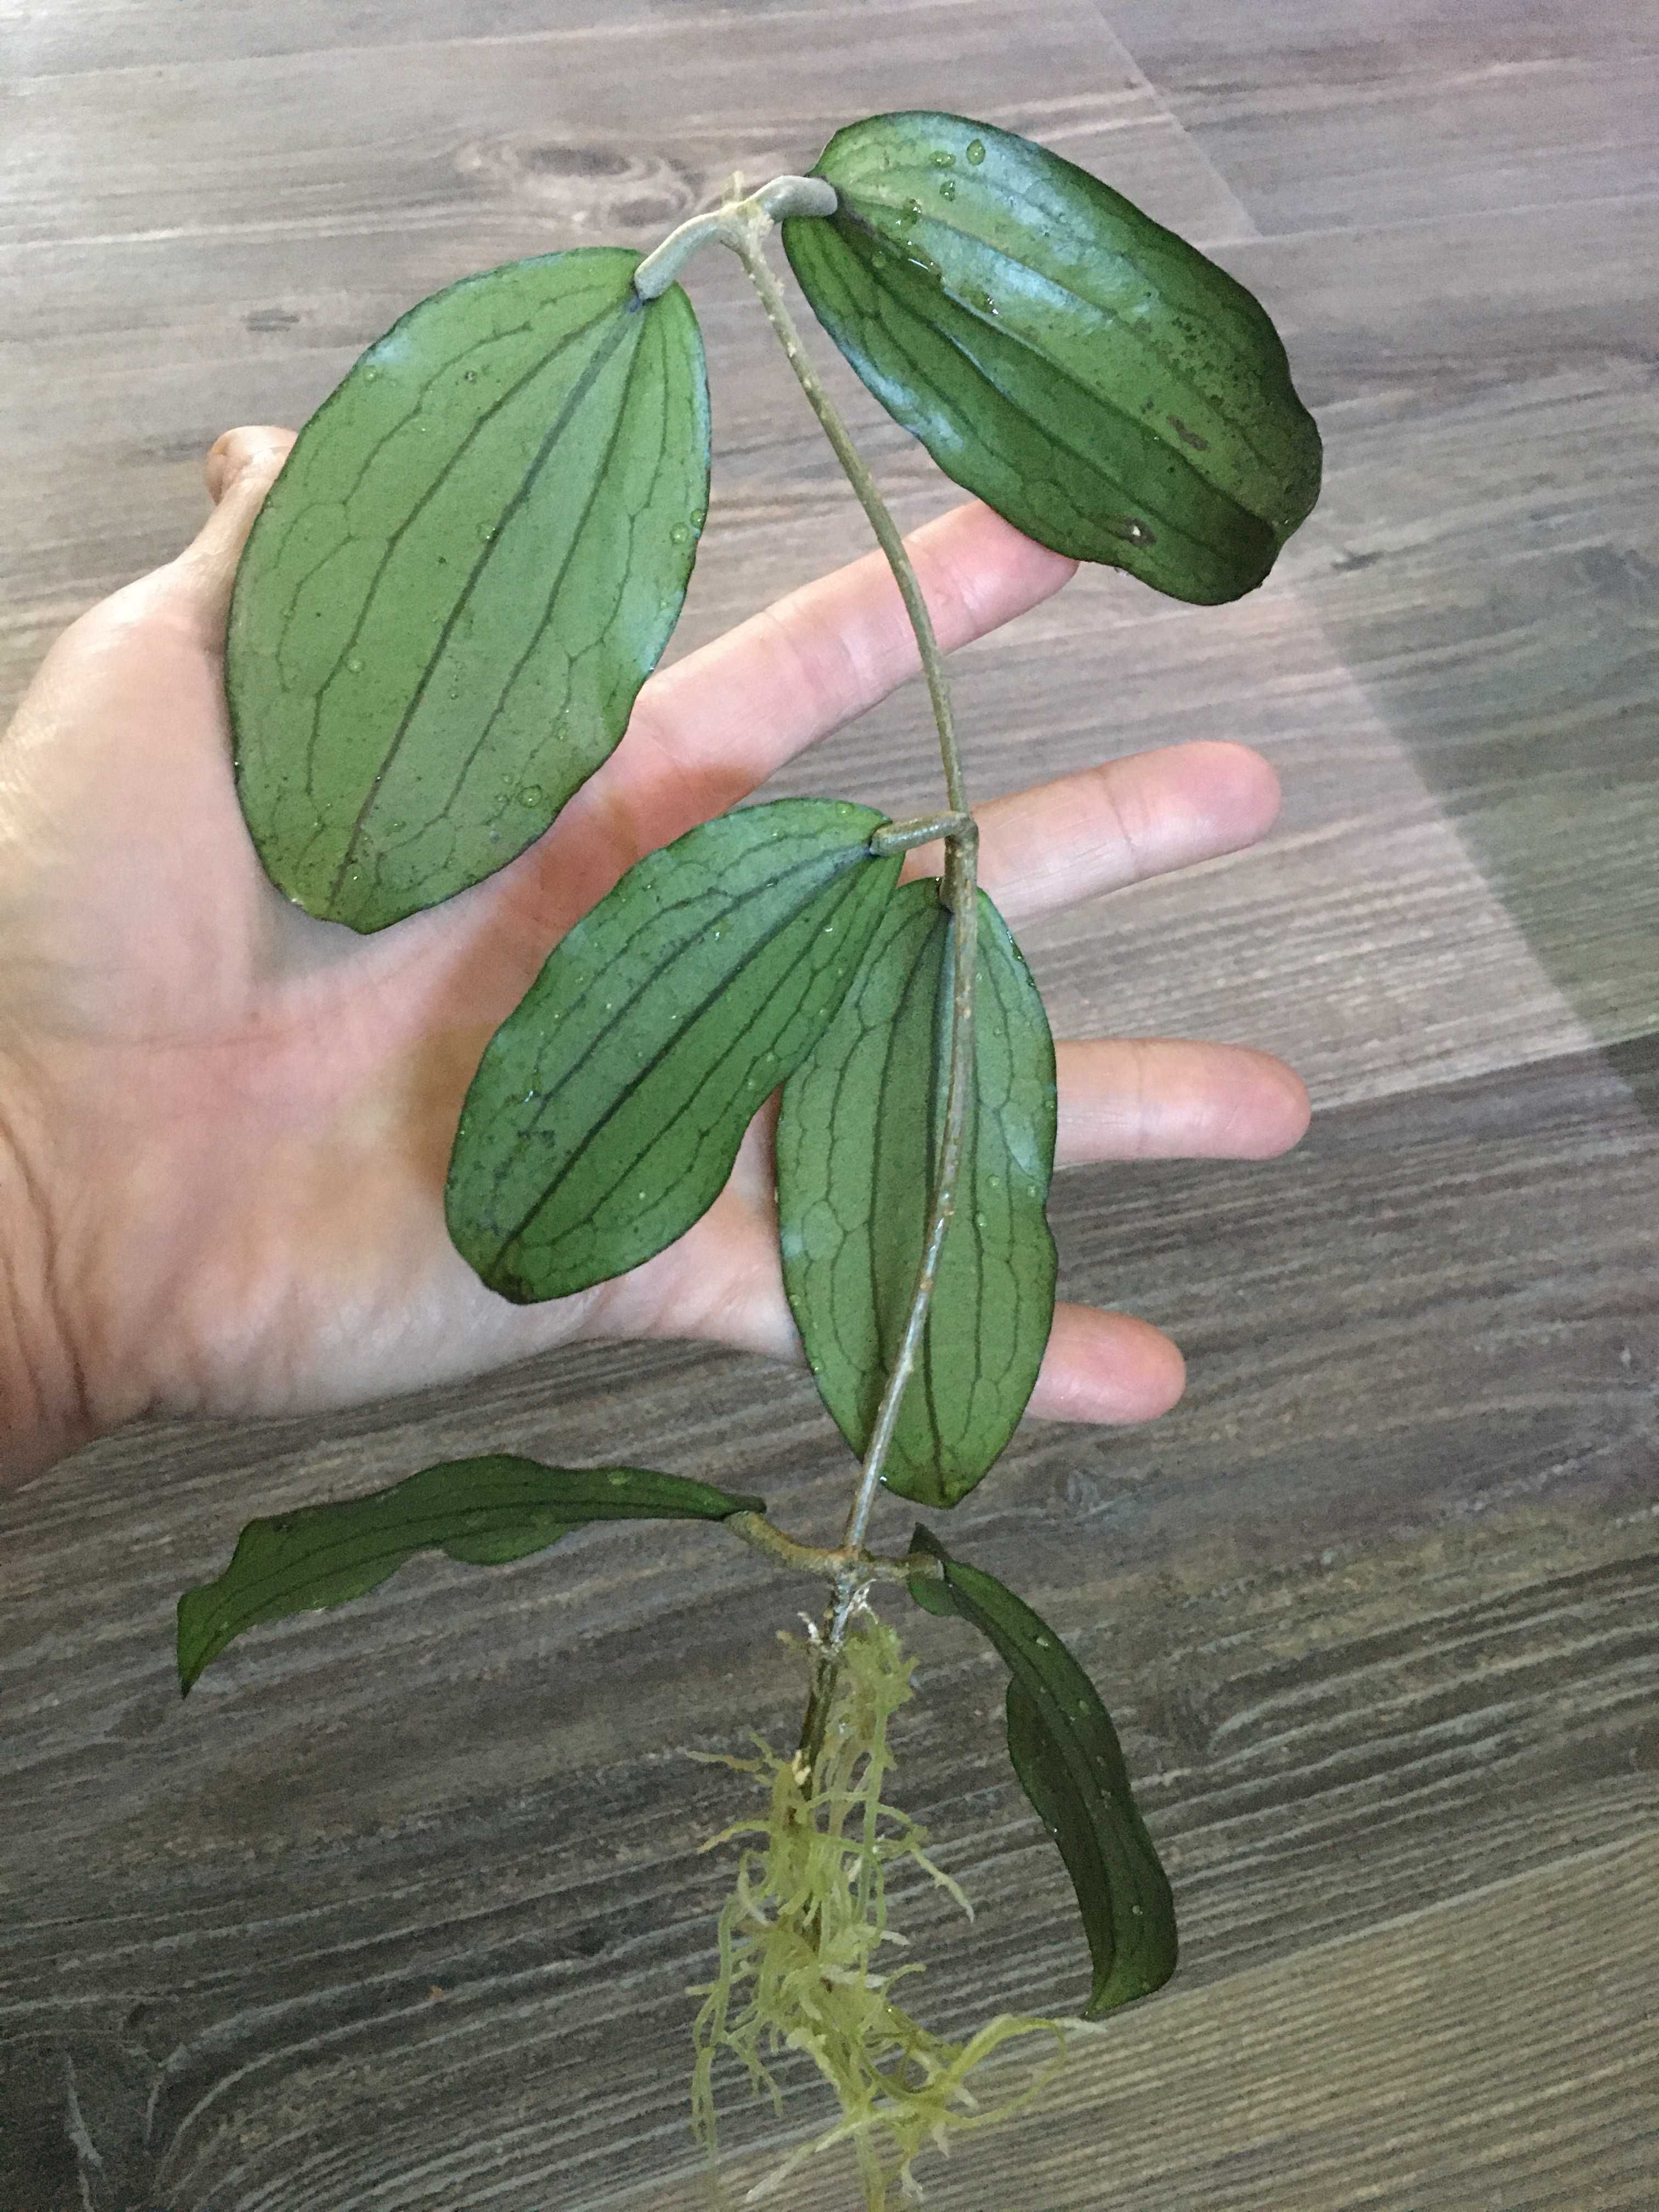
[947, 188]
[976, 151]
[943, 160]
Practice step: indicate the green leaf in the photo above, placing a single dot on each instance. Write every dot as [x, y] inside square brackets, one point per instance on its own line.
[857, 1144]
[470, 563]
[608, 1110]
[484, 1511]
[1095, 379]
[1070, 1765]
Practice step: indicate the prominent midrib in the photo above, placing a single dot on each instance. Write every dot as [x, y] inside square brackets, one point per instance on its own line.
[610, 955]
[1147, 341]
[1134, 428]
[419, 506]
[880, 1311]
[550, 609]
[843, 863]
[939, 1070]
[579, 391]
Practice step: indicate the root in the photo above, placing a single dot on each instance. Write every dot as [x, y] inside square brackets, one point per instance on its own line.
[799, 1939]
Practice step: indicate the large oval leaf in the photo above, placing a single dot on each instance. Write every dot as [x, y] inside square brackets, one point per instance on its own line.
[608, 1110]
[858, 1135]
[1097, 379]
[1070, 1766]
[468, 566]
[484, 1511]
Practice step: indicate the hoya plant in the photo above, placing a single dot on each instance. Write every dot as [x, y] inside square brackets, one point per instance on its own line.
[473, 558]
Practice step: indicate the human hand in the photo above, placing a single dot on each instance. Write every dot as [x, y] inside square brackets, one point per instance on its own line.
[225, 1126]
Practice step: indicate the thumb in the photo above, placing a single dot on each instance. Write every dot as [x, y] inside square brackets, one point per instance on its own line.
[240, 468]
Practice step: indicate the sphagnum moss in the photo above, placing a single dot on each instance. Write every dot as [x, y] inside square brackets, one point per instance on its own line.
[800, 1937]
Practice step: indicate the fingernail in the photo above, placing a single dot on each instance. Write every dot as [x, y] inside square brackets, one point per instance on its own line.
[217, 468]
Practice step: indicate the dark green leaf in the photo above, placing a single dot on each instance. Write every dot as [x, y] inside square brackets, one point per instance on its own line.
[607, 1112]
[481, 1510]
[857, 1142]
[468, 565]
[1070, 1765]
[1089, 373]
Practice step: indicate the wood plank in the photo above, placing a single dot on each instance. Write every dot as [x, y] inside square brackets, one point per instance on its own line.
[1348, 2076]
[400, 1909]
[1363, 111]
[1483, 556]
[1540, 622]
[213, 242]
[1431, 979]
[92, 36]
[1377, 1611]
[428, 131]
[1503, 628]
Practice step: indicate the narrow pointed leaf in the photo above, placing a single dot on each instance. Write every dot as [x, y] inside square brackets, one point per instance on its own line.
[1100, 382]
[484, 1511]
[608, 1110]
[1070, 1765]
[471, 562]
[857, 1145]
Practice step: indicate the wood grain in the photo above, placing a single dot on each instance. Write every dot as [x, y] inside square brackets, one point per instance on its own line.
[1364, 1662]
[1266, 2091]
[400, 1909]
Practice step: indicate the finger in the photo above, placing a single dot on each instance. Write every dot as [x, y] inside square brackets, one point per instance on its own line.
[1106, 1367]
[233, 452]
[1158, 1098]
[1105, 826]
[240, 468]
[706, 730]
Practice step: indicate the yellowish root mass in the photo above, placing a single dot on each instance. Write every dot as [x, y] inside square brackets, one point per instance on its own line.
[799, 1939]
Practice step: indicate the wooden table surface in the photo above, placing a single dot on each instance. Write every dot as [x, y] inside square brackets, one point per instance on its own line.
[401, 1910]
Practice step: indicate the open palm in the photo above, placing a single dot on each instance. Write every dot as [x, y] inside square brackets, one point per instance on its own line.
[226, 1125]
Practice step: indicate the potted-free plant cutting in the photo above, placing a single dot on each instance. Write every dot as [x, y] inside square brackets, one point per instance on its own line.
[473, 557]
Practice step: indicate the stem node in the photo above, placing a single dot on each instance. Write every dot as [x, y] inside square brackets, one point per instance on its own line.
[927, 829]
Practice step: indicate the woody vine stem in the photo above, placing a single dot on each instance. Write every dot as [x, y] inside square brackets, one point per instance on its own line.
[744, 224]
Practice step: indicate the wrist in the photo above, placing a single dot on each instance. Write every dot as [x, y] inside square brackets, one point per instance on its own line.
[44, 1413]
